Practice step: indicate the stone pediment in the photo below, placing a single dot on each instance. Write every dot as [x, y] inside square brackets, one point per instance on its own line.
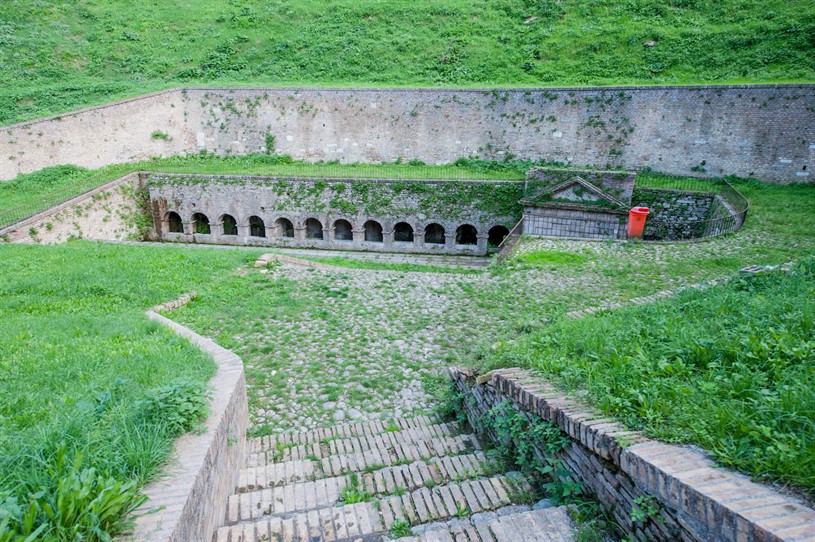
[574, 191]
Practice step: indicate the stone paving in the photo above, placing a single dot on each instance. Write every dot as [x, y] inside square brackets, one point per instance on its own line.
[369, 340]
[412, 480]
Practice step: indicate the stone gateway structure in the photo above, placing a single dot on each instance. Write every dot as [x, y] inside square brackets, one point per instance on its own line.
[577, 203]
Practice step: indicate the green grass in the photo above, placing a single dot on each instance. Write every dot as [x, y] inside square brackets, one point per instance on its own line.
[731, 369]
[548, 259]
[351, 263]
[34, 192]
[58, 55]
[84, 375]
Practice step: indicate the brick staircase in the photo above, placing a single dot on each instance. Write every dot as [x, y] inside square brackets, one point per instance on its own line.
[369, 481]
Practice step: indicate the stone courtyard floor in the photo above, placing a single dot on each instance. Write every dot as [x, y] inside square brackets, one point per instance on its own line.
[364, 344]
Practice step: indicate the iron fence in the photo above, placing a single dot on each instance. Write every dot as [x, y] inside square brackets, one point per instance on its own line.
[725, 208]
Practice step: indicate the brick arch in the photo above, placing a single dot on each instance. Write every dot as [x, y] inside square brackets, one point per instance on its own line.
[373, 231]
[200, 224]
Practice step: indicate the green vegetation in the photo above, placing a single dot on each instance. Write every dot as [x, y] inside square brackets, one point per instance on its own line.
[34, 192]
[731, 369]
[400, 528]
[548, 259]
[351, 263]
[353, 492]
[59, 55]
[92, 393]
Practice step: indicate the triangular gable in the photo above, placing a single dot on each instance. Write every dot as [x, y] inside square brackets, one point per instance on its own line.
[553, 191]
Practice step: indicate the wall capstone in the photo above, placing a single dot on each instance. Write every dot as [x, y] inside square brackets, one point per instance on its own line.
[698, 501]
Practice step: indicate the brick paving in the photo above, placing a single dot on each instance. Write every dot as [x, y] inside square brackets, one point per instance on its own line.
[421, 472]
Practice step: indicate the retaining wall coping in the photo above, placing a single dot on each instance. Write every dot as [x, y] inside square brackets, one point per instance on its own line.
[705, 496]
[216, 177]
[189, 501]
[481, 90]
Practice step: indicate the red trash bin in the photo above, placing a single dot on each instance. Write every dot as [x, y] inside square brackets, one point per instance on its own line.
[636, 220]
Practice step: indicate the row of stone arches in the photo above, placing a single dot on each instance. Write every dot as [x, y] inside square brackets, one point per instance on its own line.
[433, 234]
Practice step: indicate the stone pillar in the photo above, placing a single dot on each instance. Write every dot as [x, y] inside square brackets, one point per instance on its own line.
[450, 242]
[482, 244]
[188, 232]
[271, 232]
[387, 240]
[418, 240]
[359, 238]
[243, 233]
[299, 235]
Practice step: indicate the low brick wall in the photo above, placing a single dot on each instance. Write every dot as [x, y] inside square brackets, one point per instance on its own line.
[190, 499]
[697, 501]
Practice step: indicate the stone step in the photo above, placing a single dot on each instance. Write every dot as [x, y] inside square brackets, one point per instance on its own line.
[304, 496]
[390, 454]
[546, 525]
[263, 454]
[345, 430]
[336, 523]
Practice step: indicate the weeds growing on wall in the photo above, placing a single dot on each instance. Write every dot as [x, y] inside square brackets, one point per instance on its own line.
[731, 369]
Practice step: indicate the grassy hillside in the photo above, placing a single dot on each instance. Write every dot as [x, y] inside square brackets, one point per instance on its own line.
[92, 394]
[57, 55]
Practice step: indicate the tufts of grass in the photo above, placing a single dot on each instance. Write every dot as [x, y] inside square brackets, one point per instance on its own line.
[353, 492]
[730, 369]
[65, 55]
[92, 393]
[548, 259]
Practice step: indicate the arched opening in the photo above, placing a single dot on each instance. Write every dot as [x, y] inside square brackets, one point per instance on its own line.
[342, 231]
[285, 227]
[403, 233]
[373, 231]
[434, 234]
[174, 224]
[314, 229]
[256, 227]
[466, 235]
[497, 235]
[200, 224]
[229, 226]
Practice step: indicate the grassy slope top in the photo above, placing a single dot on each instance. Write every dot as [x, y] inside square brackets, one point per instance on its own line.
[57, 55]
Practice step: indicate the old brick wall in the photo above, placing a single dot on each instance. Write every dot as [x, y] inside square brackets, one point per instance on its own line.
[450, 204]
[107, 213]
[766, 131]
[696, 500]
[95, 137]
[578, 223]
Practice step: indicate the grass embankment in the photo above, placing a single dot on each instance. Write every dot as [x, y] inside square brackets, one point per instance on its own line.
[731, 369]
[87, 382]
[59, 55]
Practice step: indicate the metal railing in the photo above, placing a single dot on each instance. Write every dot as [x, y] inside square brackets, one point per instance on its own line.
[509, 243]
[727, 212]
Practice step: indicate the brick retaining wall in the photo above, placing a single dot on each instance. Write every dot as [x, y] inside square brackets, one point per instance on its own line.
[697, 500]
[188, 503]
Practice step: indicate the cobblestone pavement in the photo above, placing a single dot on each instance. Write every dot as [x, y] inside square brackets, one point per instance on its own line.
[362, 342]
